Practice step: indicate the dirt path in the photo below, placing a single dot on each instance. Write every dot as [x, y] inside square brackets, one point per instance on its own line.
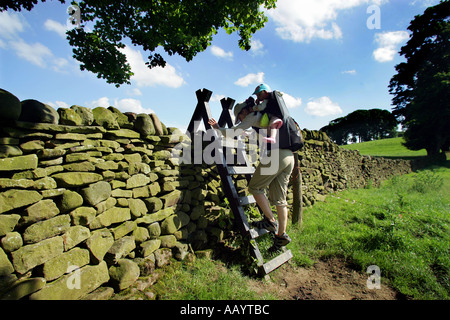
[326, 280]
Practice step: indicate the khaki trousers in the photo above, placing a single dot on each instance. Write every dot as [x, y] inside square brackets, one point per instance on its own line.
[277, 182]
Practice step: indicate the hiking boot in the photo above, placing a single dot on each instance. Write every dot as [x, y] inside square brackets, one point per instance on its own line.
[266, 224]
[279, 242]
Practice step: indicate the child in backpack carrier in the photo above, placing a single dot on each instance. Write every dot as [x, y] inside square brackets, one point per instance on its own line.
[273, 123]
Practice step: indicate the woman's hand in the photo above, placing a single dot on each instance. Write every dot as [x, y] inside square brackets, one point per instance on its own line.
[213, 123]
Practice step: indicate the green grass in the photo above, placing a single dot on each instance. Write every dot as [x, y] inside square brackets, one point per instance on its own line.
[205, 280]
[389, 148]
[402, 227]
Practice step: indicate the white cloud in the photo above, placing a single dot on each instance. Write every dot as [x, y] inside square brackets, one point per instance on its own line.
[251, 78]
[425, 3]
[36, 53]
[58, 104]
[39, 55]
[57, 27]
[322, 107]
[11, 24]
[124, 105]
[291, 102]
[352, 72]
[219, 52]
[146, 77]
[257, 48]
[302, 21]
[388, 45]
[102, 102]
[131, 105]
[59, 64]
[217, 97]
[134, 92]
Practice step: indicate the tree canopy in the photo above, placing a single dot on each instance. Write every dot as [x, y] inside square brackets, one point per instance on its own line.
[361, 125]
[183, 27]
[421, 87]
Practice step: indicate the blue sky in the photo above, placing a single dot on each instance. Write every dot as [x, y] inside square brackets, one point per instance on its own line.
[329, 57]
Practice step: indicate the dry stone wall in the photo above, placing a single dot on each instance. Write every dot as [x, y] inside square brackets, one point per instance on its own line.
[327, 168]
[91, 200]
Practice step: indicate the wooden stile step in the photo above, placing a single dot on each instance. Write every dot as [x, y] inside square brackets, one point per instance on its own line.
[232, 143]
[243, 201]
[277, 261]
[256, 233]
[235, 170]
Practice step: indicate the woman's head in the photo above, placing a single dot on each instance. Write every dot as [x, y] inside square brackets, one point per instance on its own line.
[244, 113]
[241, 110]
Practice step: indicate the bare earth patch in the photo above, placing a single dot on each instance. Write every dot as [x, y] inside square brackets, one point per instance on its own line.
[326, 280]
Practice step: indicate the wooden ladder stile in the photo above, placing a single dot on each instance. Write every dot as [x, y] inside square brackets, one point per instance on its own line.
[227, 171]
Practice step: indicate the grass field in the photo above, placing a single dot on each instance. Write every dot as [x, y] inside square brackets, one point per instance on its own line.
[388, 148]
[403, 227]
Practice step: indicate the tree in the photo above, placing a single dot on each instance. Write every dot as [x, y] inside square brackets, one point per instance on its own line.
[337, 131]
[178, 27]
[358, 122]
[366, 125]
[381, 124]
[421, 87]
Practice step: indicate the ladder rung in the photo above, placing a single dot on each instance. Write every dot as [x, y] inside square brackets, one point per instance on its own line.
[243, 201]
[255, 233]
[241, 170]
[232, 143]
[277, 261]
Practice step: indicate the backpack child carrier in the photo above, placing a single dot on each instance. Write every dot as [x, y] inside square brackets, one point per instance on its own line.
[290, 134]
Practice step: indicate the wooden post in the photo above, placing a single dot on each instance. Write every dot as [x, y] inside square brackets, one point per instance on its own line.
[225, 116]
[297, 206]
[202, 111]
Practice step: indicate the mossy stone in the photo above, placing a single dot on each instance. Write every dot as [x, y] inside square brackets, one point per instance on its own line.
[19, 163]
[69, 117]
[38, 112]
[10, 106]
[76, 179]
[104, 118]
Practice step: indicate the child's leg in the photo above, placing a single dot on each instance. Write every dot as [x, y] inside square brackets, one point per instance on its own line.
[274, 124]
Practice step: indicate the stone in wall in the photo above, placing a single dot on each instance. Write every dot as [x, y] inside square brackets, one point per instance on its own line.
[74, 285]
[10, 107]
[35, 111]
